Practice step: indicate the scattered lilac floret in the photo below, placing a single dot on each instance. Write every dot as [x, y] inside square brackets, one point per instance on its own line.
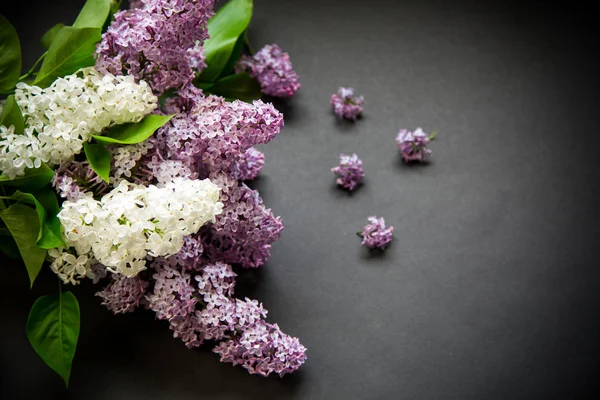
[413, 145]
[350, 172]
[346, 105]
[375, 234]
[250, 164]
[272, 67]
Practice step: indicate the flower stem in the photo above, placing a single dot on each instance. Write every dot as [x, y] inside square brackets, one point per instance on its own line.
[28, 73]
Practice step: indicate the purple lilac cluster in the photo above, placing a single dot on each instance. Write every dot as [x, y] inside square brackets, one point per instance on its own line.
[346, 104]
[272, 67]
[157, 41]
[350, 172]
[250, 164]
[413, 145]
[375, 234]
[160, 41]
[123, 294]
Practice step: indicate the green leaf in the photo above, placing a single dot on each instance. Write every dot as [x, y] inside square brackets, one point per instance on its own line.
[22, 222]
[234, 57]
[10, 55]
[11, 115]
[93, 14]
[50, 35]
[239, 86]
[53, 329]
[51, 230]
[71, 49]
[29, 198]
[225, 28]
[99, 159]
[134, 132]
[34, 178]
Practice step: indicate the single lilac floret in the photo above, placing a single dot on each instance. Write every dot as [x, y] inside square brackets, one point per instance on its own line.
[347, 105]
[350, 172]
[413, 145]
[272, 67]
[375, 234]
[250, 164]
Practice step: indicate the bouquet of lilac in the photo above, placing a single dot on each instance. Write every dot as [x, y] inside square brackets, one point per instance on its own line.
[122, 156]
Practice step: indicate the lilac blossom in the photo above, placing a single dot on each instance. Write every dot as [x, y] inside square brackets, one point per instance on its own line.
[157, 42]
[350, 171]
[375, 234]
[250, 164]
[243, 232]
[413, 145]
[74, 179]
[123, 294]
[262, 349]
[172, 295]
[346, 104]
[209, 134]
[272, 67]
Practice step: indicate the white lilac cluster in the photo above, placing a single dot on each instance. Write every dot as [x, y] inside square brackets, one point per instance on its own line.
[130, 223]
[60, 118]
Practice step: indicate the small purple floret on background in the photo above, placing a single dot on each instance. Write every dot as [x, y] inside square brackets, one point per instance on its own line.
[350, 171]
[347, 105]
[272, 67]
[413, 145]
[375, 235]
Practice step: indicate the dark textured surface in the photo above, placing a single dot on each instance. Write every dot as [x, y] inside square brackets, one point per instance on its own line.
[488, 290]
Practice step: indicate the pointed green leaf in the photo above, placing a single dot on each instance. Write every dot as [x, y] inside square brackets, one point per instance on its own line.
[51, 230]
[10, 55]
[234, 57]
[30, 199]
[134, 132]
[11, 115]
[50, 35]
[224, 28]
[71, 49]
[22, 222]
[239, 86]
[99, 159]
[93, 14]
[34, 178]
[53, 330]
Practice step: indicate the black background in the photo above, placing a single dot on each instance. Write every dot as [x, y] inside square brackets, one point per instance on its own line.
[489, 288]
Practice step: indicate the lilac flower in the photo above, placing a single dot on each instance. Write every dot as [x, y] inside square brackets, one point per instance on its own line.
[375, 234]
[172, 295]
[243, 232]
[263, 349]
[250, 164]
[189, 329]
[156, 42]
[210, 134]
[273, 70]
[413, 145]
[123, 294]
[350, 172]
[346, 105]
[75, 178]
